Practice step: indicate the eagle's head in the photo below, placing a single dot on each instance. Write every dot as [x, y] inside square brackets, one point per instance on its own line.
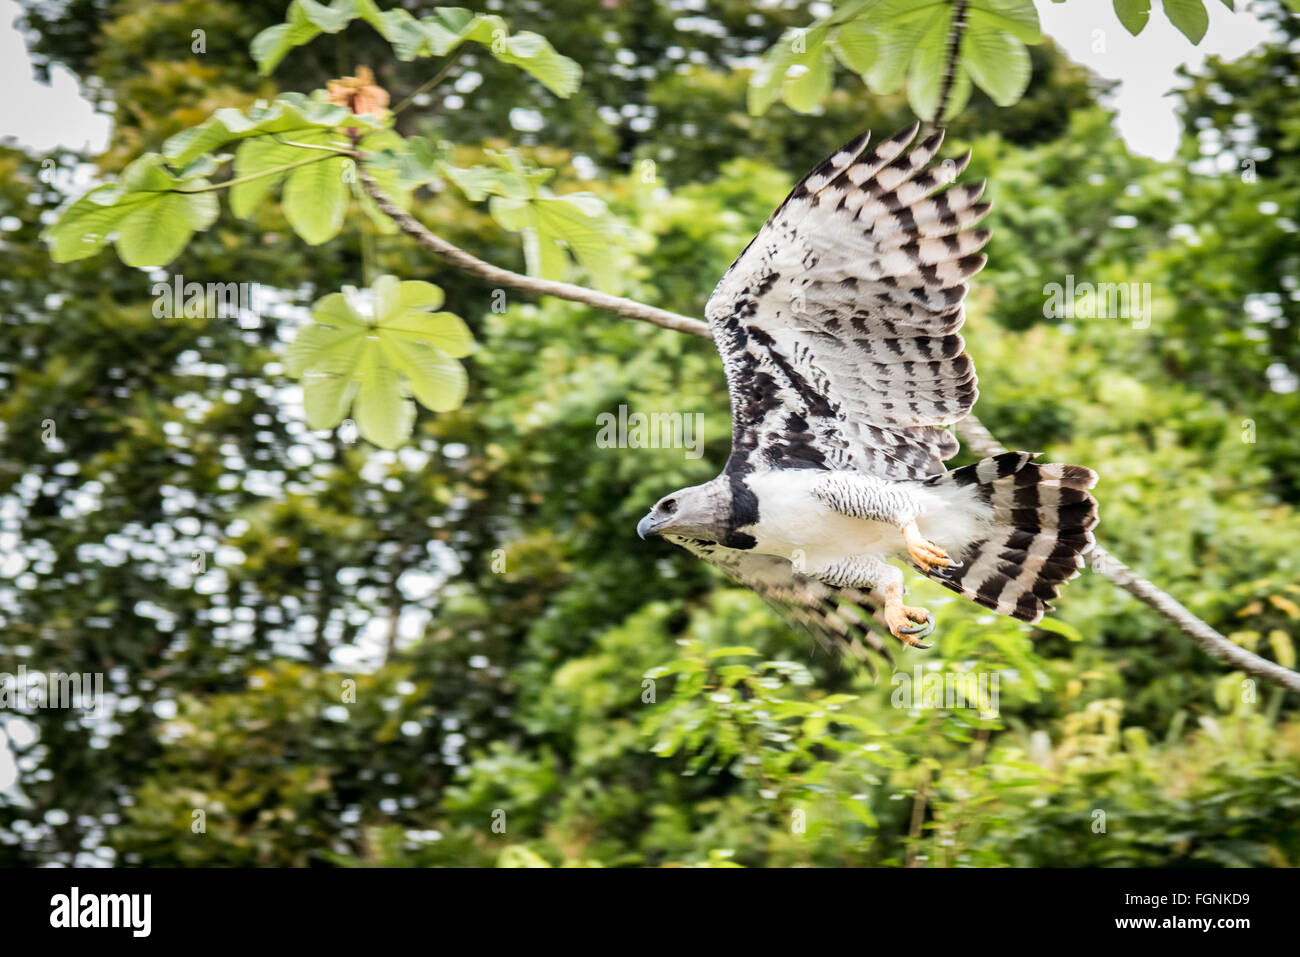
[698, 512]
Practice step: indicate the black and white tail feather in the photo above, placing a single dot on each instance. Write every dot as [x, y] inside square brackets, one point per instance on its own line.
[1042, 517]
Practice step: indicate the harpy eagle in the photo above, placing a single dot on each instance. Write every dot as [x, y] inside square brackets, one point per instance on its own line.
[838, 330]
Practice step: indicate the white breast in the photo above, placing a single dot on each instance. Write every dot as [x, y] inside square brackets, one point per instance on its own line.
[794, 524]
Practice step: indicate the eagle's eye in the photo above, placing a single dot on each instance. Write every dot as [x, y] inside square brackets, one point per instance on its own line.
[669, 505]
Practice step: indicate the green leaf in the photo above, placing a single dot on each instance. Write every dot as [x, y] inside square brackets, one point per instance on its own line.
[259, 156]
[272, 45]
[532, 53]
[766, 81]
[1016, 17]
[1190, 17]
[383, 413]
[551, 226]
[374, 363]
[330, 19]
[291, 113]
[1133, 14]
[151, 212]
[304, 21]
[479, 182]
[857, 45]
[998, 63]
[1061, 628]
[315, 199]
[928, 64]
[900, 36]
[153, 233]
[959, 95]
[436, 379]
[577, 222]
[449, 27]
[408, 36]
[810, 83]
[85, 226]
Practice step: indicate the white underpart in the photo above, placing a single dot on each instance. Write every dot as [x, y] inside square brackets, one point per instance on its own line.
[796, 525]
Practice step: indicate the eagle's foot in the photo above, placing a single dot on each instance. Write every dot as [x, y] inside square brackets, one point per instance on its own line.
[925, 554]
[909, 625]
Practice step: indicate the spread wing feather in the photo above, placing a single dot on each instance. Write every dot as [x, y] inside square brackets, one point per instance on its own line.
[835, 617]
[838, 324]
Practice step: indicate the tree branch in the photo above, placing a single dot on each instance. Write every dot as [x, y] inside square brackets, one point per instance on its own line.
[950, 62]
[970, 429]
[627, 308]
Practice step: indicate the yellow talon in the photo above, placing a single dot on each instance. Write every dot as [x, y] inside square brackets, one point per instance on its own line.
[924, 553]
[906, 623]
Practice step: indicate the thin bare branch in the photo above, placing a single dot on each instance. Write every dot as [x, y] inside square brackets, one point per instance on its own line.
[950, 63]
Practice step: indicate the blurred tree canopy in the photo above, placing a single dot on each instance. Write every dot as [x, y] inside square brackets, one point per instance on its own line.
[322, 653]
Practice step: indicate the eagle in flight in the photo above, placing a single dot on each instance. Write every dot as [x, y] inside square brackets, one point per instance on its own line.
[838, 330]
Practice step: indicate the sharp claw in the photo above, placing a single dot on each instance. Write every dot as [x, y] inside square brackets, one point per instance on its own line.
[912, 631]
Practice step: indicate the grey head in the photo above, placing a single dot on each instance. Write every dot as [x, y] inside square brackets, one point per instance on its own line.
[700, 512]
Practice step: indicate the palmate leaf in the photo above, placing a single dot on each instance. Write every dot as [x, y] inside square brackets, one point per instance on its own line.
[374, 360]
[888, 42]
[315, 198]
[926, 72]
[552, 227]
[316, 194]
[150, 213]
[997, 61]
[577, 222]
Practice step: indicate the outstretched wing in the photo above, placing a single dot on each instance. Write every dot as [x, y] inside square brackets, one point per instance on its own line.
[838, 324]
[836, 617]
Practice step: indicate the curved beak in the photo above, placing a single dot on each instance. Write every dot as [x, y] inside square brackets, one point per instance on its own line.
[646, 526]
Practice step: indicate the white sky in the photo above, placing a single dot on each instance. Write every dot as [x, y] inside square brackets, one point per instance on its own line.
[43, 117]
[1090, 33]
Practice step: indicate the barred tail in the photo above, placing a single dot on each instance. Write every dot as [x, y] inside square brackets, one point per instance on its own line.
[1043, 518]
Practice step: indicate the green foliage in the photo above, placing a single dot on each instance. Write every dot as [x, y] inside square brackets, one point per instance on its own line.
[291, 116]
[372, 362]
[149, 214]
[889, 41]
[438, 34]
[552, 226]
